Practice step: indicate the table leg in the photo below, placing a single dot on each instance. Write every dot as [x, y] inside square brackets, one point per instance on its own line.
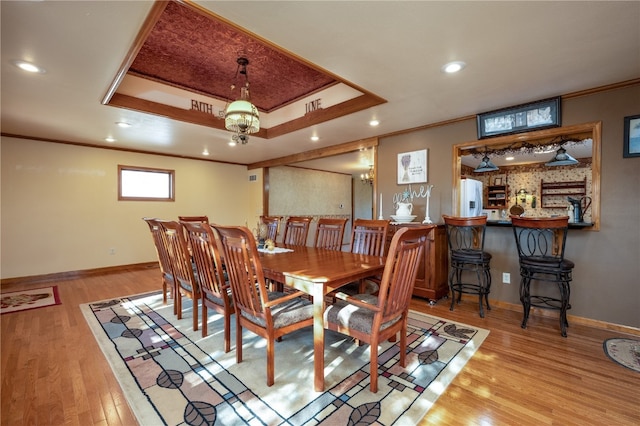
[318, 337]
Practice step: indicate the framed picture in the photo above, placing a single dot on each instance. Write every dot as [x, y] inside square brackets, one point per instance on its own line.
[412, 167]
[632, 136]
[497, 181]
[521, 118]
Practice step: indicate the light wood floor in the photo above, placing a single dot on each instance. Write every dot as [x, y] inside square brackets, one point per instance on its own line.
[54, 373]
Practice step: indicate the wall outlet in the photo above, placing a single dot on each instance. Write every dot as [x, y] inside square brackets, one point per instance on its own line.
[506, 278]
[112, 251]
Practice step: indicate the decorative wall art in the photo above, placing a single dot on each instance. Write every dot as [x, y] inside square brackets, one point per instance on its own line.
[412, 167]
[632, 136]
[521, 118]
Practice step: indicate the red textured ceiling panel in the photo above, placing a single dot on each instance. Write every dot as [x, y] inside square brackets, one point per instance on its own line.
[198, 53]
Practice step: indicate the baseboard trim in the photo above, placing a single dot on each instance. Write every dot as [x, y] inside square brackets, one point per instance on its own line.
[516, 307]
[61, 276]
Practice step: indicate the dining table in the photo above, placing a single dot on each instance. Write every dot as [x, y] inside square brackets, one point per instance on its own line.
[317, 272]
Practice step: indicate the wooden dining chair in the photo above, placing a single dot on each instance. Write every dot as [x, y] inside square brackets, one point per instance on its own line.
[296, 230]
[166, 271]
[270, 315]
[368, 236]
[214, 289]
[185, 280]
[330, 233]
[273, 224]
[374, 319]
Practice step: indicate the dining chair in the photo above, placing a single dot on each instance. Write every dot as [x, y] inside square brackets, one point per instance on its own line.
[368, 236]
[296, 230]
[374, 319]
[541, 244]
[273, 223]
[330, 233]
[166, 271]
[184, 277]
[214, 289]
[270, 315]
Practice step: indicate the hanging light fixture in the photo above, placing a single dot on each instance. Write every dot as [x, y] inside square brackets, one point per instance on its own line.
[562, 158]
[241, 116]
[369, 176]
[486, 165]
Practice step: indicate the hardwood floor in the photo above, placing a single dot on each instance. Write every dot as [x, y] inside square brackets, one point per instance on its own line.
[54, 373]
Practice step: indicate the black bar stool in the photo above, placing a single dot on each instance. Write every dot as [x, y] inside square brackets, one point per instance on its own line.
[540, 243]
[466, 247]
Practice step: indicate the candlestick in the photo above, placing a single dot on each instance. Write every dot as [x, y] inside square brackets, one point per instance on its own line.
[380, 217]
[427, 219]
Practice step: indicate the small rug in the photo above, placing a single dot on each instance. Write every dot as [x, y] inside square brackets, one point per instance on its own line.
[14, 301]
[171, 375]
[625, 352]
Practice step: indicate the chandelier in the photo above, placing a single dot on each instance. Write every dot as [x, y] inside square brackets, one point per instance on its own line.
[241, 116]
[369, 176]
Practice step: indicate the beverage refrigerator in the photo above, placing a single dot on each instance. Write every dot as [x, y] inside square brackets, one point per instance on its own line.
[470, 198]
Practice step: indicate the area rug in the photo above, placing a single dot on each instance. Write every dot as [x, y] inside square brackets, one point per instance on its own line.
[625, 352]
[171, 375]
[14, 301]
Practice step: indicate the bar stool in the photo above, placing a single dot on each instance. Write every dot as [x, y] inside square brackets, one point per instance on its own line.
[465, 236]
[541, 243]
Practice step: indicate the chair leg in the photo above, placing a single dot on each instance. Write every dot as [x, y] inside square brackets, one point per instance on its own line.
[195, 313]
[270, 360]
[205, 317]
[227, 332]
[479, 274]
[373, 361]
[525, 298]
[564, 303]
[238, 339]
[452, 288]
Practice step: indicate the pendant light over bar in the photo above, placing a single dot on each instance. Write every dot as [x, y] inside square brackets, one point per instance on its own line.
[486, 165]
[562, 158]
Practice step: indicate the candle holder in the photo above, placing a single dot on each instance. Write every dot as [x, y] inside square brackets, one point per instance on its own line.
[427, 219]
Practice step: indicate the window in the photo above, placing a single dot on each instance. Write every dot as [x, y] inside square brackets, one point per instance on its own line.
[145, 184]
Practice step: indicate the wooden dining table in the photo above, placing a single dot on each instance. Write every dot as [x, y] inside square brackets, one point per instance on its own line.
[317, 272]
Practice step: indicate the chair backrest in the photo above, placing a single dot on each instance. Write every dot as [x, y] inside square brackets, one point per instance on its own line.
[369, 236]
[400, 271]
[541, 238]
[330, 233]
[244, 269]
[157, 233]
[179, 254]
[206, 259]
[296, 230]
[465, 234]
[273, 223]
[194, 219]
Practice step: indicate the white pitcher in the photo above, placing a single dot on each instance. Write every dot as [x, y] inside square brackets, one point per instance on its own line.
[404, 209]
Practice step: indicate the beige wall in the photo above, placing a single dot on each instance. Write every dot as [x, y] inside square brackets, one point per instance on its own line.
[606, 279]
[60, 210]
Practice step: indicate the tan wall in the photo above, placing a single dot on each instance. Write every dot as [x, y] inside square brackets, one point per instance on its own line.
[606, 282]
[60, 210]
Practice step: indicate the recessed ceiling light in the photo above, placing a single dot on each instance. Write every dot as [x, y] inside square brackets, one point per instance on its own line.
[29, 67]
[110, 139]
[452, 67]
[509, 158]
[315, 138]
[374, 123]
[232, 143]
[123, 124]
[205, 152]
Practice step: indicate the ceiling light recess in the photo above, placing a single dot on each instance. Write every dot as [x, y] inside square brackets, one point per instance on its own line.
[241, 116]
[453, 67]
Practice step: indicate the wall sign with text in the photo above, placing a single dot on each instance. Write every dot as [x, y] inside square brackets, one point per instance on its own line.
[412, 167]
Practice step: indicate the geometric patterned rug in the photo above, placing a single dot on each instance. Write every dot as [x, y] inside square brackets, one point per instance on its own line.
[171, 375]
[23, 300]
